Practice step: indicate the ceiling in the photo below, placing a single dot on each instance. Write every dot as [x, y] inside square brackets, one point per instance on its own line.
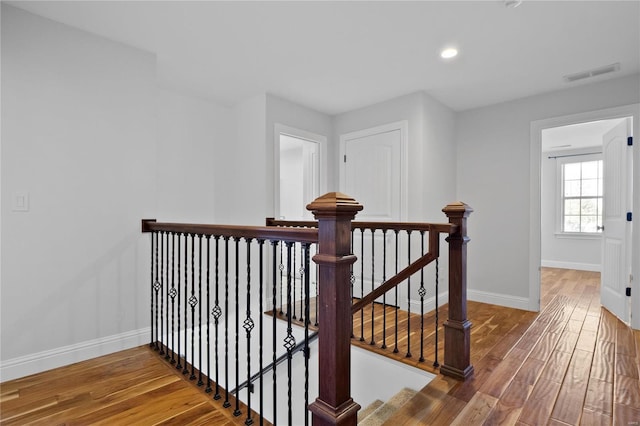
[339, 56]
[575, 136]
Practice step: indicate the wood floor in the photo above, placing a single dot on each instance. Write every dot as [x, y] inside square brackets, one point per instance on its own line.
[574, 363]
[125, 388]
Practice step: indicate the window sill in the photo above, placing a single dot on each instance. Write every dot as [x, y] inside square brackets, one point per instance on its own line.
[579, 235]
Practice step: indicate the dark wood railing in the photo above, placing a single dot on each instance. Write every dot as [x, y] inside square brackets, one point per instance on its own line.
[187, 260]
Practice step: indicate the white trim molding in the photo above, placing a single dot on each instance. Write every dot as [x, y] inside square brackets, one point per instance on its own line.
[515, 302]
[593, 267]
[53, 358]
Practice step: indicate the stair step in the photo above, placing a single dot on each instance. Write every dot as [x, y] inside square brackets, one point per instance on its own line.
[370, 409]
[385, 411]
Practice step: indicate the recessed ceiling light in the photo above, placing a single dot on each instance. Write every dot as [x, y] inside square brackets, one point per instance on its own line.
[449, 53]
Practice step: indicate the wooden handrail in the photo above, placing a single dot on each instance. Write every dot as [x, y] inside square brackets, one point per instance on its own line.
[303, 235]
[446, 228]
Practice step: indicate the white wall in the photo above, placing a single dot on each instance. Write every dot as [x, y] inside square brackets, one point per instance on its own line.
[191, 132]
[493, 177]
[563, 251]
[79, 135]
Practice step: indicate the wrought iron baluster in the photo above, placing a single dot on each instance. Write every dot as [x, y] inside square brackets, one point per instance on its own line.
[384, 296]
[200, 382]
[248, 326]
[173, 293]
[166, 310]
[154, 301]
[226, 403]
[373, 269]
[217, 312]
[273, 323]
[185, 370]
[193, 302]
[161, 342]
[281, 267]
[294, 284]
[289, 341]
[261, 328]
[179, 363]
[208, 388]
[408, 355]
[361, 283]
[307, 353]
[435, 363]
[317, 289]
[422, 292]
[395, 348]
[352, 280]
[236, 411]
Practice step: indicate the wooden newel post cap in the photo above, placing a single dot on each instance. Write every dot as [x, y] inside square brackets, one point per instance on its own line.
[457, 209]
[334, 204]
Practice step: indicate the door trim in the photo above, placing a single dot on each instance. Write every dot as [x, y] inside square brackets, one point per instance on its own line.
[535, 235]
[403, 127]
[282, 129]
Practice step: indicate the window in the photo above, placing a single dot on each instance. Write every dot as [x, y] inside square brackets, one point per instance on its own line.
[581, 201]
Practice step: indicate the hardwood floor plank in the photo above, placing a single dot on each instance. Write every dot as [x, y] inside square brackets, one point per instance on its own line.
[599, 397]
[571, 397]
[627, 392]
[595, 418]
[509, 406]
[476, 411]
[538, 407]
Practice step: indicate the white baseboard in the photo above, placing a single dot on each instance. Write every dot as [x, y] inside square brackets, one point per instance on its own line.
[594, 267]
[498, 299]
[430, 303]
[53, 358]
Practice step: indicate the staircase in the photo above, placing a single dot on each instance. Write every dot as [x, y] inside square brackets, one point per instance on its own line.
[378, 412]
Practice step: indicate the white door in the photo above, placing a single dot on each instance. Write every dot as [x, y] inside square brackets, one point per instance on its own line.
[616, 235]
[372, 173]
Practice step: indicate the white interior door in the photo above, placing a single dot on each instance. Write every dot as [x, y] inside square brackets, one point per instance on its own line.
[372, 173]
[616, 235]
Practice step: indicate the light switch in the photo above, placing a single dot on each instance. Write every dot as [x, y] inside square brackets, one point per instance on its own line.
[21, 201]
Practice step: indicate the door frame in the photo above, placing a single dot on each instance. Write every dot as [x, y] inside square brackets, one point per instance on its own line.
[535, 236]
[282, 129]
[403, 127]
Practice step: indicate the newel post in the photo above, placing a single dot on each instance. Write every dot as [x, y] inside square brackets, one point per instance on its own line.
[334, 405]
[457, 329]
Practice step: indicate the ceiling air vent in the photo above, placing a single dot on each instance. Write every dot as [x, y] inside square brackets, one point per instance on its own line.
[570, 78]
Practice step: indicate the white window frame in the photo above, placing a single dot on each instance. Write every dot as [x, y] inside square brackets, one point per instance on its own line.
[561, 161]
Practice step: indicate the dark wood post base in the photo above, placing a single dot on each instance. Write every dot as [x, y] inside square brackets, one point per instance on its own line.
[325, 415]
[456, 362]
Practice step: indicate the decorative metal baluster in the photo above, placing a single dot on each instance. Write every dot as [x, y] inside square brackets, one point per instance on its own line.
[167, 272]
[154, 301]
[160, 345]
[179, 364]
[226, 403]
[373, 268]
[261, 328]
[384, 296]
[307, 353]
[281, 267]
[317, 289]
[289, 341]
[273, 323]
[352, 280]
[172, 294]
[303, 295]
[185, 370]
[435, 363]
[237, 411]
[200, 382]
[395, 348]
[361, 282]
[294, 283]
[216, 312]
[208, 388]
[193, 302]
[248, 326]
[422, 292]
[408, 355]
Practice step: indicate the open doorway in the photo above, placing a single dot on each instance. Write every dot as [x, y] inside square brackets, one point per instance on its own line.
[583, 170]
[299, 177]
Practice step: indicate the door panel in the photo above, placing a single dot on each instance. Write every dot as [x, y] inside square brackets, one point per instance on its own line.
[616, 265]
